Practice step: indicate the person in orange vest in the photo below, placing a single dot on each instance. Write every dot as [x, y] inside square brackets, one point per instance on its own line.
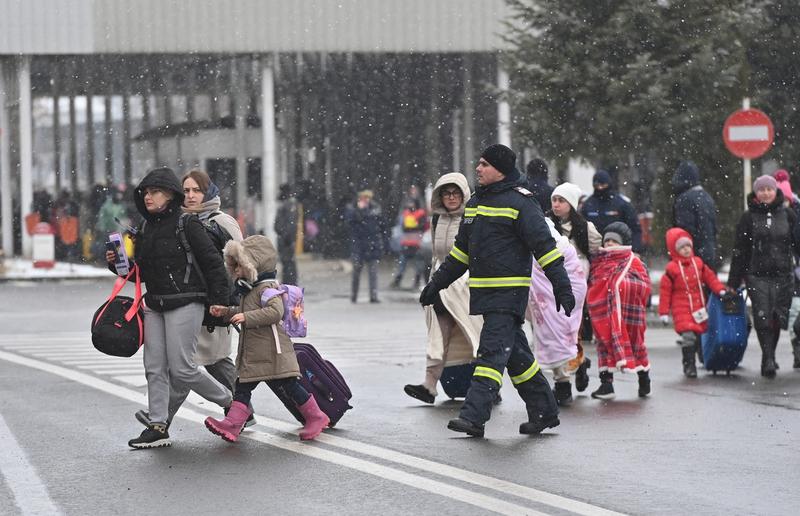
[414, 221]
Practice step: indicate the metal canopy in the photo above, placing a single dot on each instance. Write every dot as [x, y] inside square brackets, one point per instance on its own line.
[249, 26]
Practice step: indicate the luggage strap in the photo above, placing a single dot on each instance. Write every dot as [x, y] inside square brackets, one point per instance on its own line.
[137, 298]
[699, 285]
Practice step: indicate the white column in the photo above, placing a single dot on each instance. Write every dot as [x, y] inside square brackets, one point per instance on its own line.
[25, 149]
[6, 211]
[238, 77]
[268, 183]
[503, 109]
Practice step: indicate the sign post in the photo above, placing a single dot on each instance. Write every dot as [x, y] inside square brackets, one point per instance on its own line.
[748, 133]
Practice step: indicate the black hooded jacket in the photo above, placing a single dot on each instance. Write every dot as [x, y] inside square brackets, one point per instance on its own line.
[694, 210]
[162, 260]
[766, 241]
[500, 229]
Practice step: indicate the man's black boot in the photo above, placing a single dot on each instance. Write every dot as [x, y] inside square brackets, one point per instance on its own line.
[466, 427]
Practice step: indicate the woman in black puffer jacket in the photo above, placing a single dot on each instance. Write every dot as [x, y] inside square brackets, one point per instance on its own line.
[174, 302]
[763, 257]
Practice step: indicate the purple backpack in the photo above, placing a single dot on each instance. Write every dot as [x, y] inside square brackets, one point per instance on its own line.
[294, 318]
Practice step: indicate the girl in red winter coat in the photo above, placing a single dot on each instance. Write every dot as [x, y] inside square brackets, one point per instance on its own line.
[682, 293]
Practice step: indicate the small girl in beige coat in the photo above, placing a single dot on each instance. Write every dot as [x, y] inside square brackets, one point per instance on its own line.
[265, 351]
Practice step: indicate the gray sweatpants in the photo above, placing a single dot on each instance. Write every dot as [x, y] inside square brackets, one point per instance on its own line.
[223, 371]
[170, 342]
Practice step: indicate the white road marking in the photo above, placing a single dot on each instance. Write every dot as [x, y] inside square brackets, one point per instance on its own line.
[28, 490]
[416, 481]
[499, 485]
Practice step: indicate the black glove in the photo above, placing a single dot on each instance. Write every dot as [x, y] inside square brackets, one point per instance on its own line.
[564, 298]
[429, 294]
[562, 288]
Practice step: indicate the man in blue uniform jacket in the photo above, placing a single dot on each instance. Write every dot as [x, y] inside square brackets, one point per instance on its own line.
[502, 225]
[605, 206]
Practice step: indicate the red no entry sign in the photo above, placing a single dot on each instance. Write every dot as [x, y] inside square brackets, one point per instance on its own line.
[748, 133]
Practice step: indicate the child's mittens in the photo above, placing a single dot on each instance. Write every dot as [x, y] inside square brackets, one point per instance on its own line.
[664, 320]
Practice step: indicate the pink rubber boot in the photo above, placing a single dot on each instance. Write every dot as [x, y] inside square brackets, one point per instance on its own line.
[316, 420]
[230, 427]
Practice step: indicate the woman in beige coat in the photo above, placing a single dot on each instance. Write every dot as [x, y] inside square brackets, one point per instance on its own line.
[265, 352]
[453, 334]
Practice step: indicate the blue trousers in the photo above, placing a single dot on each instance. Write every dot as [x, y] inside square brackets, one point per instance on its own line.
[504, 346]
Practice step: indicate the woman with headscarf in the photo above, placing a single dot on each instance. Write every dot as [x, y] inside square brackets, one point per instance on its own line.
[453, 334]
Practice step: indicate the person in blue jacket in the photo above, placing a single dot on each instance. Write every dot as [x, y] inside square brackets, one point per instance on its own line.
[366, 229]
[605, 206]
[502, 227]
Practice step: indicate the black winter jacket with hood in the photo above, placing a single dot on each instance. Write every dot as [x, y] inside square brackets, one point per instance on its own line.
[162, 260]
[766, 241]
[500, 229]
[694, 210]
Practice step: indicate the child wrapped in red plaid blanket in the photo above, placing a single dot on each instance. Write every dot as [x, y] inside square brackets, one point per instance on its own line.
[619, 287]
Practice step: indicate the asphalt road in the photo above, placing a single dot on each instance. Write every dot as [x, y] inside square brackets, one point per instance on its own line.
[714, 445]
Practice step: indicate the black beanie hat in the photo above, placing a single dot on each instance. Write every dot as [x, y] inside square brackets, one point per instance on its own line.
[619, 232]
[537, 167]
[503, 159]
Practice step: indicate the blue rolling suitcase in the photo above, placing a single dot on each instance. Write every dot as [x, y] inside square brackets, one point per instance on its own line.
[726, 339]
[455, 379]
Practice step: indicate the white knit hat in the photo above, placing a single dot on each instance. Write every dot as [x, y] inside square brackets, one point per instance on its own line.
[570, 192]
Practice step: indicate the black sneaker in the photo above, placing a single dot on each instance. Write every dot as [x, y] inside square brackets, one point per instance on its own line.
[581, 375]
[604, 392]
[536, 427]
[419, 392]
[154, 436]
[466, 427]
[644, 383]
[563, 393]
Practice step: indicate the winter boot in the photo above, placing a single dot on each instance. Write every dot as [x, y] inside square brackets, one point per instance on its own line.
[465, 427]
[796, 351]
[689, 368]
[316, 419]
[563, 393]
[582, 376]
[536, 427]
[230, 427]
[606, 389]
[154, 436]
[420, 392]
[644, 382]
[768, 366]
[247, 424]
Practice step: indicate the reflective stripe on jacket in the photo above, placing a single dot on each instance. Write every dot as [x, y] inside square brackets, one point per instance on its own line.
[502, 226]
